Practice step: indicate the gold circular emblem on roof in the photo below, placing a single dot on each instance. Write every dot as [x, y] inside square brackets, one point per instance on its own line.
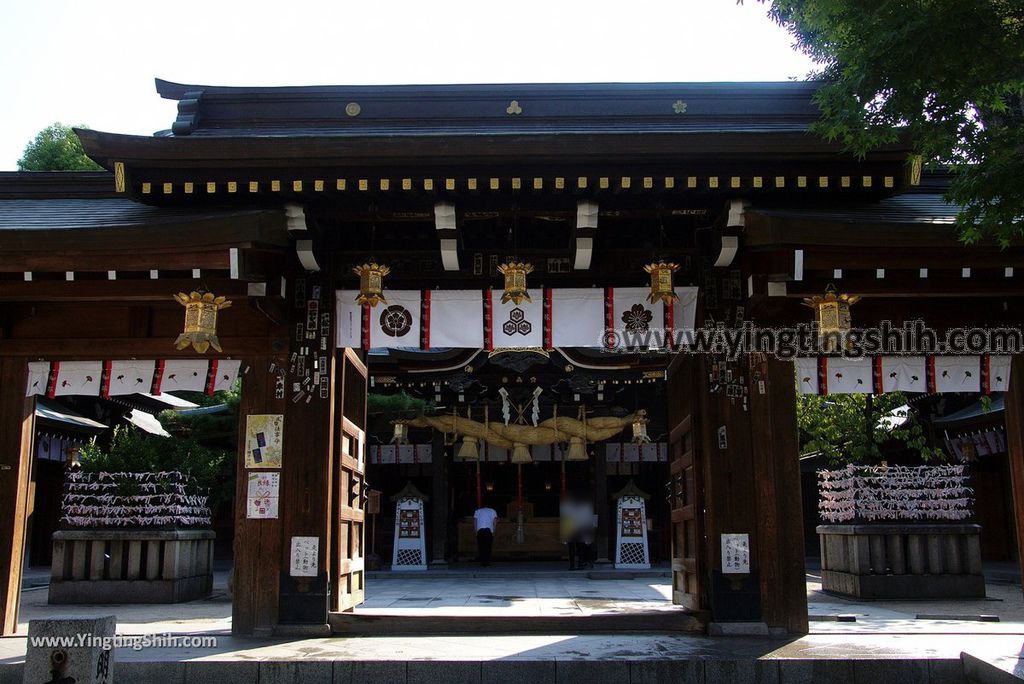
[353, 109]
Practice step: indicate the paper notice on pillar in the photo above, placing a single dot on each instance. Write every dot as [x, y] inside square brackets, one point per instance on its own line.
[389, 454]
[396, 325]
[406, 454]
[807, 375]
[456, 319]
[957, 374]
[131, 376]
[631, 453]
[904, 374]
[263, 494]
[79, 377]
[38, 376]
[735, 554]
[349, 316]
[577, 317]
[613, 452]
[264, 440]
[684, 309]
[184, 375]
[849, 376]
[637, 322]
[227, 375]
[305, 561]
[517, 325]
[999, 373]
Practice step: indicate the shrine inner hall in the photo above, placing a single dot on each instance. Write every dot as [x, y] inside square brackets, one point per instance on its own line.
[439, 299]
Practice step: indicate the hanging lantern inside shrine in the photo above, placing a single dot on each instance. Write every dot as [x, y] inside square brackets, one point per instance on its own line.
[640, 431]
[469, 450]
[661, 281]
[401, 435]
[200, 320]
[515, 282]
[832, 314]
[371, 283]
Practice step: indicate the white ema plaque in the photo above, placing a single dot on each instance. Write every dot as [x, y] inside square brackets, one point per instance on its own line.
[735, 554]
[304, 558]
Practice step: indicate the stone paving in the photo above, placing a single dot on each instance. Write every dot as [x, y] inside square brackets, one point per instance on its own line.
[883, 630]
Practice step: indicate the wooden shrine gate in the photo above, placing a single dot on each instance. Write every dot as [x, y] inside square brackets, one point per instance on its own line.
[734, 471]
[349, 493]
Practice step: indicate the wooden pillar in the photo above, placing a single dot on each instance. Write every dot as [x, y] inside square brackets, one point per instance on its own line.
[17, 424]
[257, 545]
[776, 461]
[1014, 416]
[439, 502]
[752, 486]
[601, 504]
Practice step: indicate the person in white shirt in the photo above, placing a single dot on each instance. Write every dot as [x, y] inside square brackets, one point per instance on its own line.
[485, 520]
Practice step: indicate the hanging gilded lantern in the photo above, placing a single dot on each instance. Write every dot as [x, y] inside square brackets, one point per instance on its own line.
[661, 281]
[515, 282]
[640, 431]
[371, 283]
[832, 313]
[401, 435]
[200, 320]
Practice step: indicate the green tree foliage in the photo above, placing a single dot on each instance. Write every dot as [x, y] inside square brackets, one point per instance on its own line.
[399, 405]
[947, 73]
[133, 451]
[851, 428]
[56, 148]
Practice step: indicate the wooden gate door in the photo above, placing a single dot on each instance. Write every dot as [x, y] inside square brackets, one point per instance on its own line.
[349, 490]
[685, 485]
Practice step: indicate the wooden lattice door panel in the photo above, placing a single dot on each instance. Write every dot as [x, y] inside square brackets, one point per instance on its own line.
[349, 491]
[686, 534]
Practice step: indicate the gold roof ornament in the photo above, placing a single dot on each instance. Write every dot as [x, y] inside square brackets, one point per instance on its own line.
[832, 314]
[200, 320]
[515, 281]
[661, 281]
[371, 283]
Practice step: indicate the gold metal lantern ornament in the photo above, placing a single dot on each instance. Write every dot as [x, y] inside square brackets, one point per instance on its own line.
[661, 281]
[832, 314]
[200, 320]
[371, 283]
[515, 282]
[640, 435]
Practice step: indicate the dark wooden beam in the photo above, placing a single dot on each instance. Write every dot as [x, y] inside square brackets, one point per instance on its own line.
[909, 284]
[89, 261]
[83, 348]
[17, 414]
[133, 290]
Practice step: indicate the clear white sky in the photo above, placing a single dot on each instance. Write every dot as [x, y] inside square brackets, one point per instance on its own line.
[93, 62]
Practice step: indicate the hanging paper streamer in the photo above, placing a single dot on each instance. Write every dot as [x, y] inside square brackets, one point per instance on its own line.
[895, 493]
[164, 499]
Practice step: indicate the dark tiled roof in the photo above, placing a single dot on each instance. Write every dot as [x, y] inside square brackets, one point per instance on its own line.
[910, 208]
[512, 109]
[64, 213]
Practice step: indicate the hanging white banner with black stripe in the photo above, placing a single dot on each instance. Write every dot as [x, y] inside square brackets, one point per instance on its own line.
[923, 374]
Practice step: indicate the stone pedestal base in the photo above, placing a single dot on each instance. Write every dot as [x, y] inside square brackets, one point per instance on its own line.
[908, 561]
[131, 566]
